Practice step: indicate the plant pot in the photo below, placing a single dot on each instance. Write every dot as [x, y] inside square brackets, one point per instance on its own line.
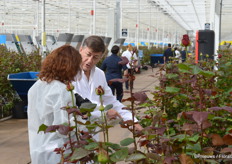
[20, 110]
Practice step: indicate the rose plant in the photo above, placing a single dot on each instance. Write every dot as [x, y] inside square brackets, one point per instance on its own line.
[13, 62]
[191, 121]
[188, 120]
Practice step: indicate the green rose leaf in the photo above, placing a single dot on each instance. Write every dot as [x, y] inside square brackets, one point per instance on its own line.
[194, 138]
[42, 127]
[135, 157]
[207, 73]
[171, 76]
[92, 146]
[108, 107]
[127, 141]
[196, 69]
[79, 153]
[184, 67]
[119, 155]
[87, 107]
[172, 89]
[112, 145]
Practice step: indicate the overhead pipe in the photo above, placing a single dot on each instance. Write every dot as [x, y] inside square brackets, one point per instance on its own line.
[220, 23]
[138, 24]
[196, 13]
[94, 17]
[69, 16]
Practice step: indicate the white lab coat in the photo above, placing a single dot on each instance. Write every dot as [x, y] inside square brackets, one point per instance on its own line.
[86, 89]
[44, 103]
[128, 54]
[178, 56]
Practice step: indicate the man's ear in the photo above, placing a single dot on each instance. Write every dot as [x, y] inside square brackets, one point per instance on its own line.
[80, 49]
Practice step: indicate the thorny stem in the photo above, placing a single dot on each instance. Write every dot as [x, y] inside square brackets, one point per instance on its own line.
[62, 158]
[185, 147]
[132, 109]
[107, 132]
[69, 135]
[103, 127]
[74, 115]
[201, 135]
[201, 98]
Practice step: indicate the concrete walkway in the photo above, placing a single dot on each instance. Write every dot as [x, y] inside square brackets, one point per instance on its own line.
[14, 137]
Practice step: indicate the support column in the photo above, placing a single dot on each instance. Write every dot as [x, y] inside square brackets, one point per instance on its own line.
[43, 37]
[215, 22]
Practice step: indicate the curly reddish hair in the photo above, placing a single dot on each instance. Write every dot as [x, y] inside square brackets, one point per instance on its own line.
[61, 64]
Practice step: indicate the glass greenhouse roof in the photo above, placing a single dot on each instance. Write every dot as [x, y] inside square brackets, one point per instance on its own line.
[165, 20]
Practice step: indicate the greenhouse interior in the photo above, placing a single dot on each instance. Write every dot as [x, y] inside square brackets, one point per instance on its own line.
[174, 89]
[140, 22]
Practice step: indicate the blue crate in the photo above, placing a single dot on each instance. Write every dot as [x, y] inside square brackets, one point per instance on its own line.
[22, 82]
[157, 59]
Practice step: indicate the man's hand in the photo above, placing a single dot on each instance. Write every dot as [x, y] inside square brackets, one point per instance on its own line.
[138, 127]
[113, 114]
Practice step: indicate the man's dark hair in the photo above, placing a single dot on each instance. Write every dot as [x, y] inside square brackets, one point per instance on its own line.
[169, 45]
[115, 49]
[95, 43]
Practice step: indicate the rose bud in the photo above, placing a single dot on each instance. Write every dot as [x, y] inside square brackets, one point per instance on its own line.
[99, 90]
[219, 55]
[102, 156]
[69, 87]
[185, 40]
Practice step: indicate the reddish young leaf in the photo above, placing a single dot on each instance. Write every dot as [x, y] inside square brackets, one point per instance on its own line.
[208, 150]
[143, 142]
[228, 139]
[227, 150]
[185, 159]
[140, 96]
[117, 80]
[72, 110]
[206, 124]
[169, 160]
[189, 127]
[226, 108]
[63, 129]
[124, 60]
[128, 99]
[217, 140]
[200, 117]
[52, 128]
[208, 92]
[160, 131]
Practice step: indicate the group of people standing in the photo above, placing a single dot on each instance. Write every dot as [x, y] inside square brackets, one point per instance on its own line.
[114, 70]
[174, 55]
[48, 95]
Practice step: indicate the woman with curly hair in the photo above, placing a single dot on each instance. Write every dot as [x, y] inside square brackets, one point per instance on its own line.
[46, 97]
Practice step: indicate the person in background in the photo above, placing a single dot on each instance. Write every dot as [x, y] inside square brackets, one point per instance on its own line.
[92, 77]
[136, 63]
[168, 53]
[46, 97]
[114, 71]
[183, 54]
[177, 55]
[132, 57]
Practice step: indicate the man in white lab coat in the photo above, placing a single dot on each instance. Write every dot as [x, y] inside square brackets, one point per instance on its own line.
[91, 52]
